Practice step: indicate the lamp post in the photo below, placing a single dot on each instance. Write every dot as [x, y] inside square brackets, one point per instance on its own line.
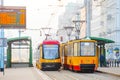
[68, 29]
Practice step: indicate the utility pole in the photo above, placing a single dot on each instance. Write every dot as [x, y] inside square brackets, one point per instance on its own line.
[2, 48]
[88, 18]
[77, 25]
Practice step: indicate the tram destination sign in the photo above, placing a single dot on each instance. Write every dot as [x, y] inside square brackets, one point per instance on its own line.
[12, 17]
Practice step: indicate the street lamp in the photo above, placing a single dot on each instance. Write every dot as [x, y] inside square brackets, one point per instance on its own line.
[68, 29]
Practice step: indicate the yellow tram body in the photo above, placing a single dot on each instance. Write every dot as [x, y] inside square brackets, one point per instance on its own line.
[80, 55]
[51, 62]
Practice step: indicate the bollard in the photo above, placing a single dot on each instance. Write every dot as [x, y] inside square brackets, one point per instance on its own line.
[112, 63]
[115, 63]
[107, 63]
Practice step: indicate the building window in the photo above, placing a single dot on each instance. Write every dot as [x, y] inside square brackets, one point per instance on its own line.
[109, 17]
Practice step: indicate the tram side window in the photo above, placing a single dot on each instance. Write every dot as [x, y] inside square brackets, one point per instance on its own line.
[87, 49]
[75, 49]
[37, 54]
[71, 48]
[40, 52]
[66, 51]
[79, 46]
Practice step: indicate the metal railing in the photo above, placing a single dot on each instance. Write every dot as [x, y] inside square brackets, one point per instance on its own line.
[113, 63]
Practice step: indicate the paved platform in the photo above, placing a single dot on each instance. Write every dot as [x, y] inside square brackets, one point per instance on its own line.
[35, 74]
[110, 70]
[23, 74]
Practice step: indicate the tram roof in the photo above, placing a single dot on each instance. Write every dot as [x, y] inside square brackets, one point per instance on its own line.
[50, 42]
[18, 38]
[102, 40]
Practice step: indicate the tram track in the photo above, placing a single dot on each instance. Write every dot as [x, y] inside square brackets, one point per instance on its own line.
[59, 75]
[69, 75]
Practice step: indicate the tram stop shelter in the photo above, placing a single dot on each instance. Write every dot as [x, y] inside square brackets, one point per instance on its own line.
[19, 52]
[101, 43]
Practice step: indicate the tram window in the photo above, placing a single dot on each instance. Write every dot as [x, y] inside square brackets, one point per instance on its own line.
[69, 50]
[66, 51]
[87, 49]
[40, 52]
[50, 51]
[75, 49]
[78, 49]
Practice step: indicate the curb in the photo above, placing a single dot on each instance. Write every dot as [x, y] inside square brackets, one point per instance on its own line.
[118, 75]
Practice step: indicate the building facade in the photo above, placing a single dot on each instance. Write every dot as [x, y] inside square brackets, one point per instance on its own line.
[106, 24]
[66, 20]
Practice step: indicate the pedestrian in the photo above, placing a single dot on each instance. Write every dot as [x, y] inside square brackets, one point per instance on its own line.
[102, 59]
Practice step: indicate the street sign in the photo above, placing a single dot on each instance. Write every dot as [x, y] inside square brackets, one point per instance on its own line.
[3, 42]
[12, 17]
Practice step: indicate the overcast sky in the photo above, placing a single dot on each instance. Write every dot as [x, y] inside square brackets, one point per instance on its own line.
[40, 13]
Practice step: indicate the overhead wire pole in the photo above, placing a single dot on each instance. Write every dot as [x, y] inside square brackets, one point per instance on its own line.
[78, 26]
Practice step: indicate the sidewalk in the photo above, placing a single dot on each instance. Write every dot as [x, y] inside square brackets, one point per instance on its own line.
[23, 74]
[35, 74]
[110, 70]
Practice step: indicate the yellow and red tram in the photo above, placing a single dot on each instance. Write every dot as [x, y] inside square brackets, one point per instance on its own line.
[49, 55]
[80, 55]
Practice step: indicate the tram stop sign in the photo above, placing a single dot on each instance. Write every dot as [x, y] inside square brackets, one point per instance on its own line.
[3, 42]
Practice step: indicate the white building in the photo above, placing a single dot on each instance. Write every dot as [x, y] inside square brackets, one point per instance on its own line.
[66, 19]
[106, 21]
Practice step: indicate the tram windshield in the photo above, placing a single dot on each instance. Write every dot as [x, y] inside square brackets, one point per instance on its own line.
[87, 48]
[50, 51]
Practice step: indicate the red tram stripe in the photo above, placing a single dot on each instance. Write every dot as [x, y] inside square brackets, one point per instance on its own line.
[76, 68]
[51, 42]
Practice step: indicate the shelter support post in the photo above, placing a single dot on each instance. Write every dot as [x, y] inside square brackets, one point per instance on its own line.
[30, 58]
[8, 64]
[102, 55]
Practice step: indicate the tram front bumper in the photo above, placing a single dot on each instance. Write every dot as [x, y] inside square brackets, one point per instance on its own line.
[51, 65]
[86, 67]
